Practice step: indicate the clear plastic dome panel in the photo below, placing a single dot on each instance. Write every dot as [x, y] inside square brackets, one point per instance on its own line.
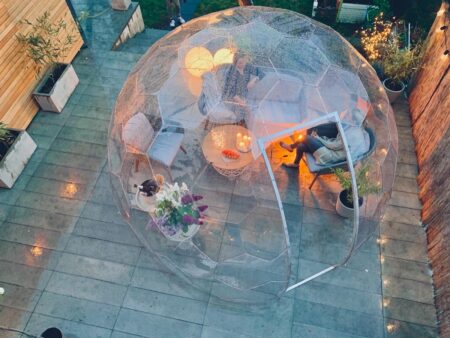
[194, 151]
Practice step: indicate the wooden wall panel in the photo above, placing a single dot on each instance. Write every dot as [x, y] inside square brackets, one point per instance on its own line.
[430, 112]
[17, 76]
[434, 65]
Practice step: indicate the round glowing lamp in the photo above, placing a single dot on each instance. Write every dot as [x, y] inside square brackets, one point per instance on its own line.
[223, 56]
[198, 61]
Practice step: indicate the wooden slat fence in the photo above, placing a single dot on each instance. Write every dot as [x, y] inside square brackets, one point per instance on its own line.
[17, 76]
[430, 113]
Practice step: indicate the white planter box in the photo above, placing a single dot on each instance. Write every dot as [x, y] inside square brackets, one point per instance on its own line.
[352, 13]
[57, 98]
[16, 159]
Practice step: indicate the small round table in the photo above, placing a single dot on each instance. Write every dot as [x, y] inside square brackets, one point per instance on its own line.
[224, 137]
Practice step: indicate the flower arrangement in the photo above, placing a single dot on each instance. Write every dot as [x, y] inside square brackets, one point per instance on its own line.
[176, 209]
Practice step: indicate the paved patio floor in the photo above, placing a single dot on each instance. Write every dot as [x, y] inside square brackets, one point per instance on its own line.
[68, 259]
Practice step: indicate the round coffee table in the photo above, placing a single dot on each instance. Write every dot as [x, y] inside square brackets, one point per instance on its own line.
[224, 137]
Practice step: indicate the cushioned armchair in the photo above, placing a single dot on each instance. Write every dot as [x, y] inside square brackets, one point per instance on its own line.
[139, 138]
[318, 169]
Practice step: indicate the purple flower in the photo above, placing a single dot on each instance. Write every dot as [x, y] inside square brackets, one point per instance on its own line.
[197, 197]
[151, 225]
[202, 208]
[187, 199]
[188, 219]
[171, 231]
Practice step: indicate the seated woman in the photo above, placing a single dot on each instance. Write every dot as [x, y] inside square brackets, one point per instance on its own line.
[329, 147]
[240, 78]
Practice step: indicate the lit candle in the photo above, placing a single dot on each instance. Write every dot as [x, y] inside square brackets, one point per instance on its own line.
[241, 145]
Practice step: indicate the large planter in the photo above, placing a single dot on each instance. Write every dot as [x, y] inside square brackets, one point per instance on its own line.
[16, 157]
[393, 93]
[56, 87]
[120, 5]
[343, 208]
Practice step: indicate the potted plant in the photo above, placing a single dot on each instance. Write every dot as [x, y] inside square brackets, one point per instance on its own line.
[398, 65]
[177, 214]
[46, 44]
[16, 148]
[344, 203]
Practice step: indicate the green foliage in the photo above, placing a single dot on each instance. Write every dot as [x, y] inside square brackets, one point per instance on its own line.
[398, 64]
[419, 13]
[155, 13]
[4, 132]
[209, 6]
[363, 183]
[46, 42]
[380, 7]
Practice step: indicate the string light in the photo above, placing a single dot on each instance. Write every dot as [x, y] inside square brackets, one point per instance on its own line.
[373, 38]
[443, 29]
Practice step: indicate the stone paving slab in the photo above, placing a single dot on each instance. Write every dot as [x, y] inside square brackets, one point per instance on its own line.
[68, 308]
[148, 325]
[70, 328]
[350, 322]
[408, 299]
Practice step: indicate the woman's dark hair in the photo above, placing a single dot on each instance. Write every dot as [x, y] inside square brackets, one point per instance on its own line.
[237, 56]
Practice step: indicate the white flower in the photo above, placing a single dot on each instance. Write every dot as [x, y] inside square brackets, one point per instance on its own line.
[184, 187]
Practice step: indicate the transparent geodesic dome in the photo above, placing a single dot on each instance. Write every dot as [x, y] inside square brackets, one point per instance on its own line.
[262, 219]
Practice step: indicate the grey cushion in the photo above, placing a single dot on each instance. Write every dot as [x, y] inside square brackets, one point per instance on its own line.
[137, 133]
[165, 147]
[312, 164]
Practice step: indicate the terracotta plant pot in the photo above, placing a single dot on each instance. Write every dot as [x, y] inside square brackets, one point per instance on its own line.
[343, 208]
[393, 92]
